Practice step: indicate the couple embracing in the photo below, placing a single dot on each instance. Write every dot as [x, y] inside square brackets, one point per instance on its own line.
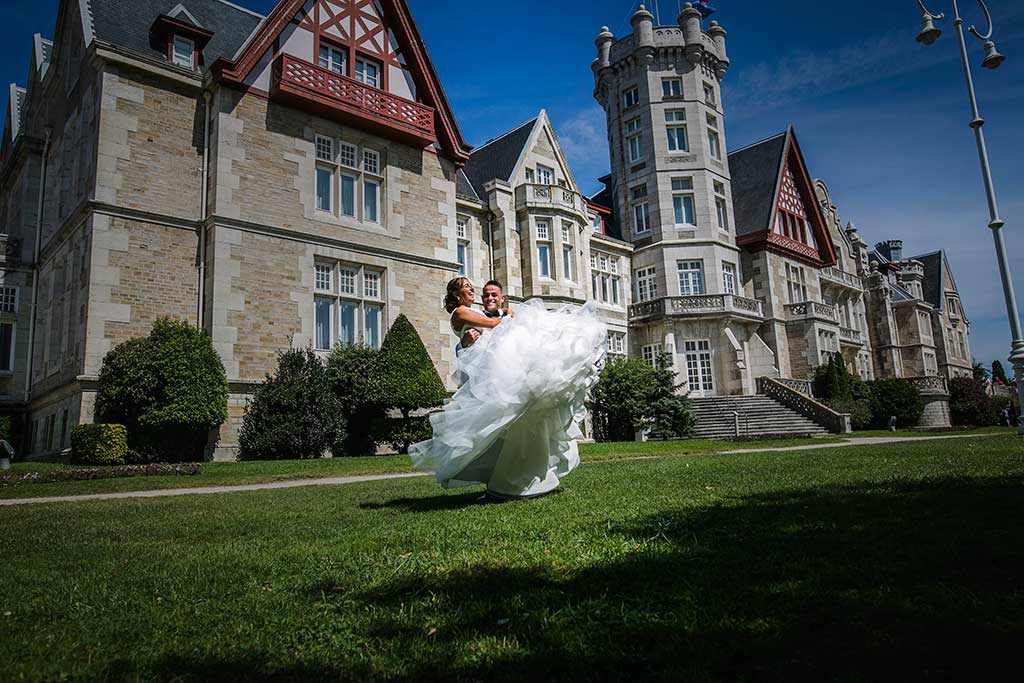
[514, 420]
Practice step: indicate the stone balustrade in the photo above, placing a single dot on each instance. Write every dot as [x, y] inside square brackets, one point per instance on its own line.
[811, 310]
[697, 305]
[819, 413]
[835, 276]
[801, 385]
[549, 197]
[848, 335]
[934, 392]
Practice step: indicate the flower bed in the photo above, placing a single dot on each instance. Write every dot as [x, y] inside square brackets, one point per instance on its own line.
[89, 473]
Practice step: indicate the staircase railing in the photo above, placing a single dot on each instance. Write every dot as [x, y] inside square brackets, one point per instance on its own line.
[819, 413]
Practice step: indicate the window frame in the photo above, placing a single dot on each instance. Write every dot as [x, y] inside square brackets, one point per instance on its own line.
[175, 38]
[605, 278]
[691, 279]
[365, 60]
[729, 277]
[671, 88]
[349, 286]
[545, 246]
[630, 97]
[646, 283]
[682, 190]
[7, 367]
[10, 299]
[351, 169]
[333, 50]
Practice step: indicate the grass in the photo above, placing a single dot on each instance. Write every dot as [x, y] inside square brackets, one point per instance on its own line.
[955, 431]
[236, 473]
[866, 563]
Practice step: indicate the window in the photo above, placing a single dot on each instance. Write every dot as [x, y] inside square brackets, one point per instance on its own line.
[351, 312]
[568, 270]
[650, 354]
[728, 277]
[671, 87]
[677, 139]
[8, 299]
[962, 339]
[544, 248]
[462, 234]
[64, 429]
[530, 175]
[675, 115]
[368, 72]
[646, 285]
[349, 180]
[931, 367]
[714, 144]
[699, 374]
[709, 94]
[682, 201]
[925, 323]
[6, 347]
[183, 52]
[545, 175]
[721, 212]
[616, 342]
[641, 218]
[333, 59]
[796, 284]
[634, 142]
[605, 279]
[597, 225]
[691, 277]
[630, 98]
[50, 420]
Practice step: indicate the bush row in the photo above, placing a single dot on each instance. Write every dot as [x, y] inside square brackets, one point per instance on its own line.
[53, 476]
[361, 397]
[870, 404]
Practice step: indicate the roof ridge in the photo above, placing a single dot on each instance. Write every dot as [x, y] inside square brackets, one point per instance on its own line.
[505, 134]
[760, 142]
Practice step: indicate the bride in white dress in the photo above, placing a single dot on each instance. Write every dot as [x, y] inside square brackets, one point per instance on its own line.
[514, 421]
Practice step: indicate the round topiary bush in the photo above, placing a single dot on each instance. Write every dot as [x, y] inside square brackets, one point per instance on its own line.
[895, 397]
[294, 413]
[168, 389]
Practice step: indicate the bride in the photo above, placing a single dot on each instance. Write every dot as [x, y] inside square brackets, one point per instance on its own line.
[514, 421]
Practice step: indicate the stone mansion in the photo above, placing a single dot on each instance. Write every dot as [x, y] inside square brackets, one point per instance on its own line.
[300, 179]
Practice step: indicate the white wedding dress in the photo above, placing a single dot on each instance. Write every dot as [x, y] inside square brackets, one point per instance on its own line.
[514, 421]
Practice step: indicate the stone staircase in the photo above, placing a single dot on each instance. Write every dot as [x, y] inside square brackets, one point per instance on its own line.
[759, 416]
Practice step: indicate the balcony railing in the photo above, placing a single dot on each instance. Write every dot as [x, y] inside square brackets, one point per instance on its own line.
[842, 278]
[535, 195]
[699, 305]
[848, 335]
[337, 96]
[811, 310]
[934, 384]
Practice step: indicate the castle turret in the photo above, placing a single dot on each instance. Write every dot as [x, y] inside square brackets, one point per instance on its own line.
[689, 21]
[718, 34]
[642, 22]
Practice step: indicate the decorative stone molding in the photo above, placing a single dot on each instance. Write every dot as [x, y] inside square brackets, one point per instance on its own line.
[819, 413]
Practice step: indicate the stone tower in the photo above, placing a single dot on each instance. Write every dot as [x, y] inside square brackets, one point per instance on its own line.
[671, 192]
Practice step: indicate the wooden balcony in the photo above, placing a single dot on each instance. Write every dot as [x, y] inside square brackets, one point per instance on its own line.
[307, 86]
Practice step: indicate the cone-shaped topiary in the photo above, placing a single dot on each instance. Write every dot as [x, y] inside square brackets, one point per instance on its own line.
[405, 380]
[294, 413]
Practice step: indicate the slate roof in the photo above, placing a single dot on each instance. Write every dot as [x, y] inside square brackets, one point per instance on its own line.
[496, 158]
[464, 188]
[126, 24]
[755, 170]
[932, 285]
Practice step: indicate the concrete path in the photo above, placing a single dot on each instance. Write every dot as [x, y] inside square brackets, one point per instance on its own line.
[331, 481]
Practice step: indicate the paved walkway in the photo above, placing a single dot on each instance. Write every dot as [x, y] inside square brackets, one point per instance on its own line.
[334, 481]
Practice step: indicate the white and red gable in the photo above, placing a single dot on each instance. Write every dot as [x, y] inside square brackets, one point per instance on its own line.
[362, 62]
[797, 227]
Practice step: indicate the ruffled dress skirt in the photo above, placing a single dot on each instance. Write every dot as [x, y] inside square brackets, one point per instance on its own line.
[514, 421]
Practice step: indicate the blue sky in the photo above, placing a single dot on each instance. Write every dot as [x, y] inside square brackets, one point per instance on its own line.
[881, 118]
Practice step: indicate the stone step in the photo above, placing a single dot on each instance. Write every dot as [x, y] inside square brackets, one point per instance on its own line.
[759, 415]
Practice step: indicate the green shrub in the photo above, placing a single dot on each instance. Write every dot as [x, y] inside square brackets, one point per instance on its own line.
[405, 381]
[859, 410]
[832, 381]
[168, 389]
[970, 404]
[895, 397]
[294, 413]
[99, 444]
[630, 395]
[351, 371]
[6, 431]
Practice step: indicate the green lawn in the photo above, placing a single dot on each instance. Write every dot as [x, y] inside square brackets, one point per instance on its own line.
[956, 431]
[232, 473]
[865, 563]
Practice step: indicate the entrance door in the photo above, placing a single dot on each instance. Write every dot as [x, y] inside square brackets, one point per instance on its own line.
[699, 372]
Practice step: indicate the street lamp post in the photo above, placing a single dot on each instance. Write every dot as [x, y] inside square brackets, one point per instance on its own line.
[928, 35]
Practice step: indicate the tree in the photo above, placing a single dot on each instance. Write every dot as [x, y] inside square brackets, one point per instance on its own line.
[630, 395]
[405, 381]
[293, 413]
[970, 404]
[168, 389]
[351, 370]
[832, 381]
[998, 374]
[978, 371]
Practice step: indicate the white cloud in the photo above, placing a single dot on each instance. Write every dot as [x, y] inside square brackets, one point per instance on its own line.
[584, 140]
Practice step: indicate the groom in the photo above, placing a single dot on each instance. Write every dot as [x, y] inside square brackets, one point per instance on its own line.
[494, 307]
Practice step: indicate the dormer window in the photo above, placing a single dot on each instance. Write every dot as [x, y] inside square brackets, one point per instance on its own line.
[183, 52]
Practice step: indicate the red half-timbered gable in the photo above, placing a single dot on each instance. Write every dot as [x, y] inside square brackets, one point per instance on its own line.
[361, 62]
[797, 228]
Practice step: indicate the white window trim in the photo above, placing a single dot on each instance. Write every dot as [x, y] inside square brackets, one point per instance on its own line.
[359, 298]
[192, 52]
[16, 305]
[358, 174]
[693, 277]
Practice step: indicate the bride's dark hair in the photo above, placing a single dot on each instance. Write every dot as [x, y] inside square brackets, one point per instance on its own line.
[451, 299]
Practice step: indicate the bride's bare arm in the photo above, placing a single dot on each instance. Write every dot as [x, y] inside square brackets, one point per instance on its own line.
[467, 316]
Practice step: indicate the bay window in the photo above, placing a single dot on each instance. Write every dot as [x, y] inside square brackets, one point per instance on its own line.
[605, 279]
[544, 248]
[646, 284]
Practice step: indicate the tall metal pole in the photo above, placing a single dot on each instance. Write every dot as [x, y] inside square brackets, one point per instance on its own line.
[995, 224]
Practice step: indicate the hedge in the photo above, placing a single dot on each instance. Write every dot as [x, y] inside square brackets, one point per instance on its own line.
[99, 444]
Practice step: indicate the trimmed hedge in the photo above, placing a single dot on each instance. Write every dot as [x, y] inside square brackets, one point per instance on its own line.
[970, 404]
[294, 413]
[99, 444]
[168, 389]
[895, 397]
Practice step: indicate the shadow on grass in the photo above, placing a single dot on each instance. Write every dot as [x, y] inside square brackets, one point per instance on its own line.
[449, 502]
[909, 580]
